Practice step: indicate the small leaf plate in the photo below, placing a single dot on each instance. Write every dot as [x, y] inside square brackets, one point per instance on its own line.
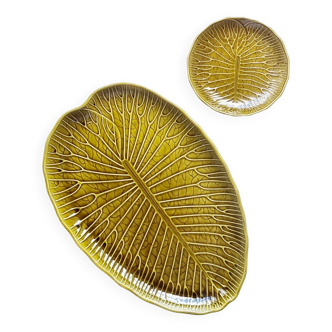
[238, 66]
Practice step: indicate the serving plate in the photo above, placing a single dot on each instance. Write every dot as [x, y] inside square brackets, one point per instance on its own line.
[238, 66]
[145, 194]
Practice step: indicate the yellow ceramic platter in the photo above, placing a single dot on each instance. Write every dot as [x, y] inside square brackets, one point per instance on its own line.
[238, 66]
[145, 194]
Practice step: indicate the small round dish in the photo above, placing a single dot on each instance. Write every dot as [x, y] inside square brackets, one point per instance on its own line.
[238, 66]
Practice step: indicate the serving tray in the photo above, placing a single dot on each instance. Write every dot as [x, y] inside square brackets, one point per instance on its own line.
[238, 66]
[145, 194]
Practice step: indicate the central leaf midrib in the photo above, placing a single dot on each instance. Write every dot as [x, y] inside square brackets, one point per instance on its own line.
[236, 76]
[146, 191]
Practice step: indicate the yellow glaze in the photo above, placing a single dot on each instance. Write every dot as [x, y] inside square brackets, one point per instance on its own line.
[146, 195]
[238, 66]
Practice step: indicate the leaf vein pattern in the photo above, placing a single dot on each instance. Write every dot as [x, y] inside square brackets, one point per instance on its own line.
[147, 197]
[238, 66]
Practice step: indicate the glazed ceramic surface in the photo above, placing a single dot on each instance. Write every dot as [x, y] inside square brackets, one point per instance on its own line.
[146, 195]
[238, 66]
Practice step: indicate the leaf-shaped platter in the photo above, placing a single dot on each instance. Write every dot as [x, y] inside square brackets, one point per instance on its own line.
[238, 66]
[146, 195]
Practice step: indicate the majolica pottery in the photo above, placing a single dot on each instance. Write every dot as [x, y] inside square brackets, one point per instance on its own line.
[146, 195]
[238, 66]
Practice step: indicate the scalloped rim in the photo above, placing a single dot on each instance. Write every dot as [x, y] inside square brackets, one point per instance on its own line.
[231, 114]
[218, 154]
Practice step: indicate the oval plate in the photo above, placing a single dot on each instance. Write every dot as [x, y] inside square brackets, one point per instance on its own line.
[145, 194]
